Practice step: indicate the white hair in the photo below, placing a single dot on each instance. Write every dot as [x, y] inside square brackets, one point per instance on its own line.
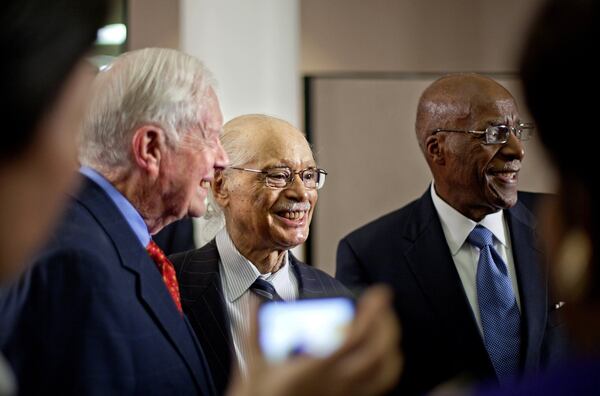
[156, 86]
[236, 147]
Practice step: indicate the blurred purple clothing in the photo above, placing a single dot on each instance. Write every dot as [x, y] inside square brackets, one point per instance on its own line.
[581, 377]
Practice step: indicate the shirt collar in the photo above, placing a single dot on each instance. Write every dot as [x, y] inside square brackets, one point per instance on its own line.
[132, 216]
[239, 272]
[457, 226]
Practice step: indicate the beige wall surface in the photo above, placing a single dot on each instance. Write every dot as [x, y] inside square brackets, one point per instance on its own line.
[363, 135]
[412, 35]
[153, 23]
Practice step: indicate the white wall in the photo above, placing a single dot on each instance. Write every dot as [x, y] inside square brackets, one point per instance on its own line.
[252, 47]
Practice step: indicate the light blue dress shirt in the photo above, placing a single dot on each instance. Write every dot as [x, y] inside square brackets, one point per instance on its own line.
[133, 218]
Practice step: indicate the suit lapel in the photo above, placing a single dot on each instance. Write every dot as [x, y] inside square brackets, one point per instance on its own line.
[532, 282]
[204, 304]
[310, 285]
[431, 263]
[152, 291]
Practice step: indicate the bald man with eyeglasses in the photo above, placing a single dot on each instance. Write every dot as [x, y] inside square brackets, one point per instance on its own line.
[265, 199]
[470, 287]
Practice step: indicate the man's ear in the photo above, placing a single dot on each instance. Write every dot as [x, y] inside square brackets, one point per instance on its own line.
[148, 145]
[220, 193]
[434, 149]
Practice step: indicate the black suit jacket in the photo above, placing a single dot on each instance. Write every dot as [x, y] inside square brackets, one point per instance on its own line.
[92, 316]
[204, 303]
[176, 237]
[407, 250]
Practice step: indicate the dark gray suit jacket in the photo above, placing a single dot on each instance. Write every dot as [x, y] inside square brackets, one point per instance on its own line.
[407, 250]
[203, 302]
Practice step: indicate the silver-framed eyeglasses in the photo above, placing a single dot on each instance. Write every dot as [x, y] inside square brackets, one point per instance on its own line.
[497, 134]
[282, 177]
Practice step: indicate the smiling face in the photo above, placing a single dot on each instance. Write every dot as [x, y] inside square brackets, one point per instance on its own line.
[190, 167]
[260, 217]
[473, 177]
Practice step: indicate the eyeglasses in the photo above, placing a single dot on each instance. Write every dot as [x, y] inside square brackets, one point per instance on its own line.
[313, 178]
[497, 134]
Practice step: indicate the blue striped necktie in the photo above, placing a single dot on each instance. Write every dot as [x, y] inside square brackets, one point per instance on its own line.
[265, 290]
[500, 316]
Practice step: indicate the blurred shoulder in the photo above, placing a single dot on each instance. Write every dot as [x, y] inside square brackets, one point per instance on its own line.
[532, 200]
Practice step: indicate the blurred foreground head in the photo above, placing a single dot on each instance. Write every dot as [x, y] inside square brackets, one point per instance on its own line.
[559, 79]
[43, 92]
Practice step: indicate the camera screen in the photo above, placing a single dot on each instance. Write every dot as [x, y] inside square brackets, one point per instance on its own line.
[315, 327]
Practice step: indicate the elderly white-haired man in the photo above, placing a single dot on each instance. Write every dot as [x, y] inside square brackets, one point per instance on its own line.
[99, 312]
[266, 198]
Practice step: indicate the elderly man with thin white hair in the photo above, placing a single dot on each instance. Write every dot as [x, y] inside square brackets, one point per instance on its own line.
[266, 197]
[99, 312]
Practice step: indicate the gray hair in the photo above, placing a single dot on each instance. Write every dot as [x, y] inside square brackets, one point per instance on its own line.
[157, 86]
[239, 154]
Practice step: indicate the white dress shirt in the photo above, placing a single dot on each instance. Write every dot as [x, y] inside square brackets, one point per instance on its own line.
[237, 275]
[457, 228]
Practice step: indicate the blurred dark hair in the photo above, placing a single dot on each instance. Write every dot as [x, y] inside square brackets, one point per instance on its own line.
[560, 80]
[41, 41]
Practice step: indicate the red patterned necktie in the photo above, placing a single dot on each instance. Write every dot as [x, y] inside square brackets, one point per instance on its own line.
[167, 271]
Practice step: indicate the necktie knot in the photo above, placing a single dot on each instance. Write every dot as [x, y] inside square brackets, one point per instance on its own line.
[155, 252]
[265, 290]
[480, 237]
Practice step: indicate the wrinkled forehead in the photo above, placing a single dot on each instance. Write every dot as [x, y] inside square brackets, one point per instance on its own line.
[470, 96]
[278, 144]
[485, 96]
[478, 108]
[494, 108]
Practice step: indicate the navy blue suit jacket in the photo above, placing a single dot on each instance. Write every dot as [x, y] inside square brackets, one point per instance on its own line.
[204, 303]
[93, 316]
[407, 250]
